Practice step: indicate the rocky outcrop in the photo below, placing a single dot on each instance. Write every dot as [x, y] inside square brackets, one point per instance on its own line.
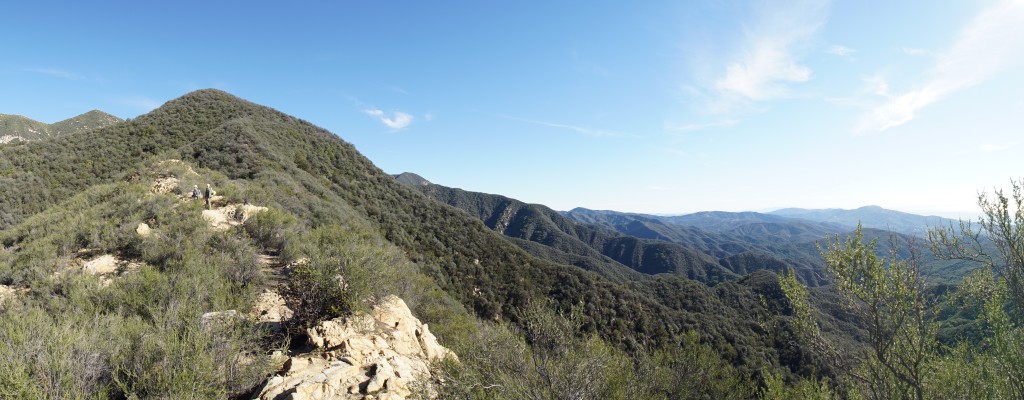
[165, 185]
[108, 267]
[102, 265]
[223, 218]
[385, 354]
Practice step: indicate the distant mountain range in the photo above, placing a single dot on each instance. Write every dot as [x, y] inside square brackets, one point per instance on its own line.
[706, 246]
[20, 128]
[870, 217]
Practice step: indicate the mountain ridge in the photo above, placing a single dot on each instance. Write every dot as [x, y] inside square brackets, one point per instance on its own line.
[870, 216]
[21, 128]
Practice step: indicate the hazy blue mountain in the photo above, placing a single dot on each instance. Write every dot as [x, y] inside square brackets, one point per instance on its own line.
[870, 217]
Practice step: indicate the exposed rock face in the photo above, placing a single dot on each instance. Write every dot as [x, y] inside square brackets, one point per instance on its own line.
[143, 229]
[102, 265]
[108, 267]
[385, 354]
[223, 218]
[164, 185]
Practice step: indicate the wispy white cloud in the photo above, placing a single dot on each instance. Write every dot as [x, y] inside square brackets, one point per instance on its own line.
[989, 147]
[428, 117]
[578, 129]
[992, 41]
[698, 126]
[57, 72]
[397, 121]
[840, 50]
[768, 63]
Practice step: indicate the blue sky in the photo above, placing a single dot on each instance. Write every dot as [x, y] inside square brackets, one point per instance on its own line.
[654, 106]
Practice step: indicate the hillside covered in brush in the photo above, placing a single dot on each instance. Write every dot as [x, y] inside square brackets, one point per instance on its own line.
[70, 198]
[18, 128]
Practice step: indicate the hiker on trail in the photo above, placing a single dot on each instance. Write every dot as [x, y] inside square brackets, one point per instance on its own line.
[209, 195]
[196, 194]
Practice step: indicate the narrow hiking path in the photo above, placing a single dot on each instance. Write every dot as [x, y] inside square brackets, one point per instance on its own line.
[275, 271]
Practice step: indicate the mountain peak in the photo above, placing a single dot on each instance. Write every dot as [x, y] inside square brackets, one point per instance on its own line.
[411, 179]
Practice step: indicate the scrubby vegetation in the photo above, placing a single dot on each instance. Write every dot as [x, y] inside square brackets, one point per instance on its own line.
[525, 323]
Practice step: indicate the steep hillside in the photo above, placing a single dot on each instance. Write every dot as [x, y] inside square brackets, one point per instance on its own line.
[870, 217]
[19, 128]
[741, 243]
[410, 178]
[579, 244]
[257, 155]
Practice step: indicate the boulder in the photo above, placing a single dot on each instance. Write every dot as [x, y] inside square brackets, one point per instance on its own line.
[143, 229]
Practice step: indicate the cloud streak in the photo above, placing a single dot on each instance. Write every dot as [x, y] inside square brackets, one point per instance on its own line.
[767, 63]
[840, 50]
[988, 44]
[57, 72]
[397, 121]
[574, 128]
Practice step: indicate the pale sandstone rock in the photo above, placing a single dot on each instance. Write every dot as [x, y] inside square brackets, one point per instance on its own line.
[272, 310]
[378, 355]
[103, 265]
[143, 229]
[164, 185]
[223, 218]
[271, 307]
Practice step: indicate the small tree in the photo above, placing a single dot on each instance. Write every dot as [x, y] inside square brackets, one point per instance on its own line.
[998, 244]
[886, 294]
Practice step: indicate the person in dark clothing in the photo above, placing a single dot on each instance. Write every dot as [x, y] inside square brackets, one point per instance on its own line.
[209, 196]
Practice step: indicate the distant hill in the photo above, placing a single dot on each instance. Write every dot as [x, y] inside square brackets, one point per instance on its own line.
[545, 233]
[742, 242]
[870, 217]
[749, 241]
[20, 128]
[410, 178]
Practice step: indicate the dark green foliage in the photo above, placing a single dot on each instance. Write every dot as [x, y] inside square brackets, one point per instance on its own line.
[331, 205]
[588, 246]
